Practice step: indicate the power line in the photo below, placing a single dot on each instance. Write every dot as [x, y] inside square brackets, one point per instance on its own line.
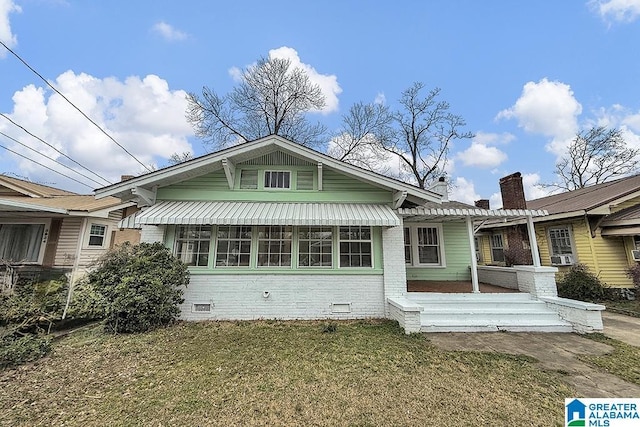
[44, 166]
[44, 155]
[73, 105]
[58, 151]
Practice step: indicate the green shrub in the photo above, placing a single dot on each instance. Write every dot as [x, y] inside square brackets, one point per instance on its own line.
[580, 284]
[634, 274]
[140, 285]
[86, 302]
[34, 306]
[17, 349]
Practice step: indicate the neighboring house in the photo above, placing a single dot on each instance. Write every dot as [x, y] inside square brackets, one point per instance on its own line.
[598, 226]
[45, 229]
[272, 229]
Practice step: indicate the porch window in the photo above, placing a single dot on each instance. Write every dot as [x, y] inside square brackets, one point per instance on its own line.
[478, 247]
[407, 246]
[277, 179]
[233, 248]
[192, 244]
[21, 242]
[97, 234]
[274, 246]
[422, 245]
[315, 247]
[355, 247]
[497, 248]
[560, 241]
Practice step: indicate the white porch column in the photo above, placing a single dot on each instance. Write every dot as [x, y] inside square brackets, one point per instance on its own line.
[474, 262]
[533, 242]
[395, 273]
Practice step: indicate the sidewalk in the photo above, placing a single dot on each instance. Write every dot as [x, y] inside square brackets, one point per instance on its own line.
[558, 352]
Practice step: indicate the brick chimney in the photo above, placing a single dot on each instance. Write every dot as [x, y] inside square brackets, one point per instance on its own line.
[512, 192]
[126, 177]
[482, 204]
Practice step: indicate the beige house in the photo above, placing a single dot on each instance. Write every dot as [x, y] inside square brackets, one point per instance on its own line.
[48, 230]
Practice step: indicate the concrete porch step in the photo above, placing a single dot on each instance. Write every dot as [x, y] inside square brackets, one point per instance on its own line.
[497, 328]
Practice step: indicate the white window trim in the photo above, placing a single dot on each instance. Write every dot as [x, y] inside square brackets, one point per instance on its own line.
[264, 172]
[491, 247]
[87, 234]
[370, 240]
[413, 233]
[571, 240]
[45, 235]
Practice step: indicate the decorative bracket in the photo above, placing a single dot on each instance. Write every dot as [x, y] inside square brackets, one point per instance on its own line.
[145, 197]
[229, 171]
[398, 198]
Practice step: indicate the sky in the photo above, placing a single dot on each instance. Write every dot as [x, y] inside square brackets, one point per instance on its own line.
[526, 76]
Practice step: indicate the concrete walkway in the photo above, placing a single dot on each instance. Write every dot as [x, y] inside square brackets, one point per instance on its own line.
[558, 352]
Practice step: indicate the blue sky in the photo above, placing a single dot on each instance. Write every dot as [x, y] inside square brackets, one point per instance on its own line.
[526, 75]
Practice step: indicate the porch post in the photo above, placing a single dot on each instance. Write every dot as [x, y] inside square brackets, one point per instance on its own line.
[533, 242]
[474, 262]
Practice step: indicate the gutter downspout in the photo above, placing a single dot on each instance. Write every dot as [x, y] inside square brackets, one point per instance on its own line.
[76, 264]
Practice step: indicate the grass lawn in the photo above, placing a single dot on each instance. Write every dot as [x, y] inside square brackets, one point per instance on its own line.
[630, 308]
[366, 373]
[623, 362]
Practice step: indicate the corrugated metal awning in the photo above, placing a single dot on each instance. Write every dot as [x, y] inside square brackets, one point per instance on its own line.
[256, 213]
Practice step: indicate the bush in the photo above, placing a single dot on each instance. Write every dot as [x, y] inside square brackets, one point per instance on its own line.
[580, 284]
[140, 285]
[634, 274]
[17, 349]
[34, 306]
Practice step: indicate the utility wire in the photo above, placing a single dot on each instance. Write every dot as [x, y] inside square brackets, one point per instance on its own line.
[73, 105]
[58, 151]
[44, 166]
[44, 155]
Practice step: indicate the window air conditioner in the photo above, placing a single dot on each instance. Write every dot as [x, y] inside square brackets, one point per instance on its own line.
[562, 259]
[635, 254]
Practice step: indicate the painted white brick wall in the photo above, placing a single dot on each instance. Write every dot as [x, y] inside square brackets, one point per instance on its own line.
[498, 276]
[584, 316]
[395, 273]
[406, 314]
[538, 281]
[246, 297]
[152, 233]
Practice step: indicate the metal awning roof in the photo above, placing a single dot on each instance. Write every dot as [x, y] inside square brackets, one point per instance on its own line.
[263, 213]
[422, 213]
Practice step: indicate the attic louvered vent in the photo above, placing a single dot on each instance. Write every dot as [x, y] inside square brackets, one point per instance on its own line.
[305, 180]
[249, 179]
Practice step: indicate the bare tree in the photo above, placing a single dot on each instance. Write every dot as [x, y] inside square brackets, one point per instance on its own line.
[364, 131]
[418, 134]
[272, 98]
[595, 156]
[426, 130]
[176, 158]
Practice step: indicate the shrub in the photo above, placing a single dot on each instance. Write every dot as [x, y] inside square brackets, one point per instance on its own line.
[16, 349]
[86, 302]
[34, 306]
[140, 285]
[634, 274]
[580, 284]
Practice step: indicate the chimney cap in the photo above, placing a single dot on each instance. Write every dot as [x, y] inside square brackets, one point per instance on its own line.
[441, 179]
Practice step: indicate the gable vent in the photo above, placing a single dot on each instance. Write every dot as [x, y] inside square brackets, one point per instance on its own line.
[304, 180]
[277, 158]
[249, 179]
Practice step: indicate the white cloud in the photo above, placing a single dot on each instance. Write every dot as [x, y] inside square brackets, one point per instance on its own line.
[328, 82]
[617, 10]
[6, 36]
[532, 191]
[482, 156]
[380, 99]
[168, 32]
[143, 115]
[617, 116]
[464, 191]
[548, 108]
[493, 138]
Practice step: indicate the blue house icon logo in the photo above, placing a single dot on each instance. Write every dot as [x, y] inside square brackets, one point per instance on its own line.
[575, 411]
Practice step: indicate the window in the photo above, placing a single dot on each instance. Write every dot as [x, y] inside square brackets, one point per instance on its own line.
[428, 249]
[192, 244]
[233, 246]
[476, 243]
[497, 248]
[422, 245]
[21, 242]
[560, 240]
[355, 247]
[97, 233]
[277, 179]
[274, 246]
[249, 179]
[315, 246]
[407, 246]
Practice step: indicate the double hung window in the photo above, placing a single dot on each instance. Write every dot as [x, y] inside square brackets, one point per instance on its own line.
[192, 244]
[497, 248]
[422, 245]
[355, 247]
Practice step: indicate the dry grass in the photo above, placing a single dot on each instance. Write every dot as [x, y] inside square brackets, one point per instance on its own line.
[367, 373]
[623, 362]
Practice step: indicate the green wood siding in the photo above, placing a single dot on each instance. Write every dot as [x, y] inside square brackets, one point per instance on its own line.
[337, 188]
[457, 256]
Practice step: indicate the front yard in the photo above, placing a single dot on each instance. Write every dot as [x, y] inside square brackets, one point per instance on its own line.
[365, 373]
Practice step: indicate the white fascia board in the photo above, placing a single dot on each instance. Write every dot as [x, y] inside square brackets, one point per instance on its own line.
[17, 206]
